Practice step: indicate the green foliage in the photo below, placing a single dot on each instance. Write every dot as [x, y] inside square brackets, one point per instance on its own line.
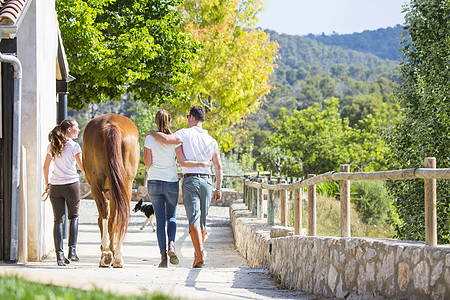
[278, 161]
[371, 201]
[128, 46]
[329, 189]
[230, 166]
[143, 116]
[13, 287]
[140, 175]
[425, 129]
[322, 141]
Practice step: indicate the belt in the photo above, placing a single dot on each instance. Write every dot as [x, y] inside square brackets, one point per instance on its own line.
[195, 175]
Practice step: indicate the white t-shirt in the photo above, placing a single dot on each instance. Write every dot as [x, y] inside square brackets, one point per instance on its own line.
[64, 167]
[198, 145]
[163, 161]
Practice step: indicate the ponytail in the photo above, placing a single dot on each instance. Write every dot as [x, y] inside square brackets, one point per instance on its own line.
[57, 137]
[162, 120]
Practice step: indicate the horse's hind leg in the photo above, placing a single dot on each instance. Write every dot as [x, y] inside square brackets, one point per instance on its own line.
[114, 244]
[102, 206]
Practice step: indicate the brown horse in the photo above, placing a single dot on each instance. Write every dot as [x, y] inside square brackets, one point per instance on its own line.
[110, 160]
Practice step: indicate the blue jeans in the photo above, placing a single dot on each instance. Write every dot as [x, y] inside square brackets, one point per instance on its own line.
[164, 198]
[197, 193]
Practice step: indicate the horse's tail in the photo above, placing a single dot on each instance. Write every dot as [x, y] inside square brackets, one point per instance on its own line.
[118, 191]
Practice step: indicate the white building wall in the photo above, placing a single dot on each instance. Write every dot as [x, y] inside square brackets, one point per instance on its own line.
[37, 51]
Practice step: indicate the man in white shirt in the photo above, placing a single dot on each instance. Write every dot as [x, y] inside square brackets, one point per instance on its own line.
[198, 145]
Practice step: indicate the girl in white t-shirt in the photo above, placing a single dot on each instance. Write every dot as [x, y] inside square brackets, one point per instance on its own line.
[163, 186]
[64, 185]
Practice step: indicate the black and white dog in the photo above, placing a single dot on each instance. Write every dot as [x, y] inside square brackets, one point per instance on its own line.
[147, 209]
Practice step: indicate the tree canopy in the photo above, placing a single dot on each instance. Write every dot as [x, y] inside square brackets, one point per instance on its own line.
[315, 141]
[425, 129]
[128, 46]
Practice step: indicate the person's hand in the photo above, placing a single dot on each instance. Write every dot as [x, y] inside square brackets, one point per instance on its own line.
[206, 163]
[151, 132]
[217, 195]
[47, 186]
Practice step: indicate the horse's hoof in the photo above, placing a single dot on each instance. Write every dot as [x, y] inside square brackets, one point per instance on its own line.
[118, 263]
[106, 259]
[141, 228]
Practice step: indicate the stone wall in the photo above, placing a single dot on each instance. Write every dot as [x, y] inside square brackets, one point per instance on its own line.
[351, 268]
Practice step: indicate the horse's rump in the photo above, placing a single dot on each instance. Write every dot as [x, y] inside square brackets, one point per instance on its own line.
[110, 159]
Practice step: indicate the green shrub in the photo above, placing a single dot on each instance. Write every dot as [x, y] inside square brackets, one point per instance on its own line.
[140, 175]
[371, 201]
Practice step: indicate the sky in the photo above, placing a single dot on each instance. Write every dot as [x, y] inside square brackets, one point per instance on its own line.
[301, 17]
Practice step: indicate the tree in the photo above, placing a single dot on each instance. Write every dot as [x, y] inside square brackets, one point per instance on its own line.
[322, 141]
[277, 160]
[128, 46]
[231, 73]
[425, 129]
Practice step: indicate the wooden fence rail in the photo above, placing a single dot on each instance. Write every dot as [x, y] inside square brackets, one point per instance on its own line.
[253, 195]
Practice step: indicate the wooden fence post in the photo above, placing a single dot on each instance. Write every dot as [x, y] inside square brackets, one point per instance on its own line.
[345, 204]
[259, 211]
[245, 193]
[312, 208]
[249, 198]
[271, 208]
[430, 205]
[298, 211]
[255, 201]
[283, 207]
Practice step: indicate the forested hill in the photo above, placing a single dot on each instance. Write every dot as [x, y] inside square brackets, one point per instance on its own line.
[383, 42]
[310, 72]
[303, 52]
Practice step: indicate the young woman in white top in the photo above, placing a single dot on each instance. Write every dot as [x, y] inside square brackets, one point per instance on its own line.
[64, 184]
[163, 186]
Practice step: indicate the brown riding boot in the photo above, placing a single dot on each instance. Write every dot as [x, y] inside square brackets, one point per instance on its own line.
[163, 263]
[199, 259]
[203, 237]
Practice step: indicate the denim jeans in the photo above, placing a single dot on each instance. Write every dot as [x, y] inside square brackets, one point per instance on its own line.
[197, 193]
[164, 198]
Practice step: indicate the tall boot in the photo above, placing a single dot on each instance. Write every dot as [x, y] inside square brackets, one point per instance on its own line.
[163, 263]
[73, 236]
[172, 254]
[203, 240]
[196, 237]
[203, 237]
[58, 239]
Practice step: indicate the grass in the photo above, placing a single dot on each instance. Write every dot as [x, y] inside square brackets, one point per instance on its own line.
[329, 220]
[15, 288]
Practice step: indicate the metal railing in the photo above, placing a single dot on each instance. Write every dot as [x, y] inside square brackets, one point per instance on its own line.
[253, 196]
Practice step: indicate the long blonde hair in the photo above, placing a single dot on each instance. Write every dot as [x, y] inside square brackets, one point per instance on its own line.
[162, 120]
[57, 137]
